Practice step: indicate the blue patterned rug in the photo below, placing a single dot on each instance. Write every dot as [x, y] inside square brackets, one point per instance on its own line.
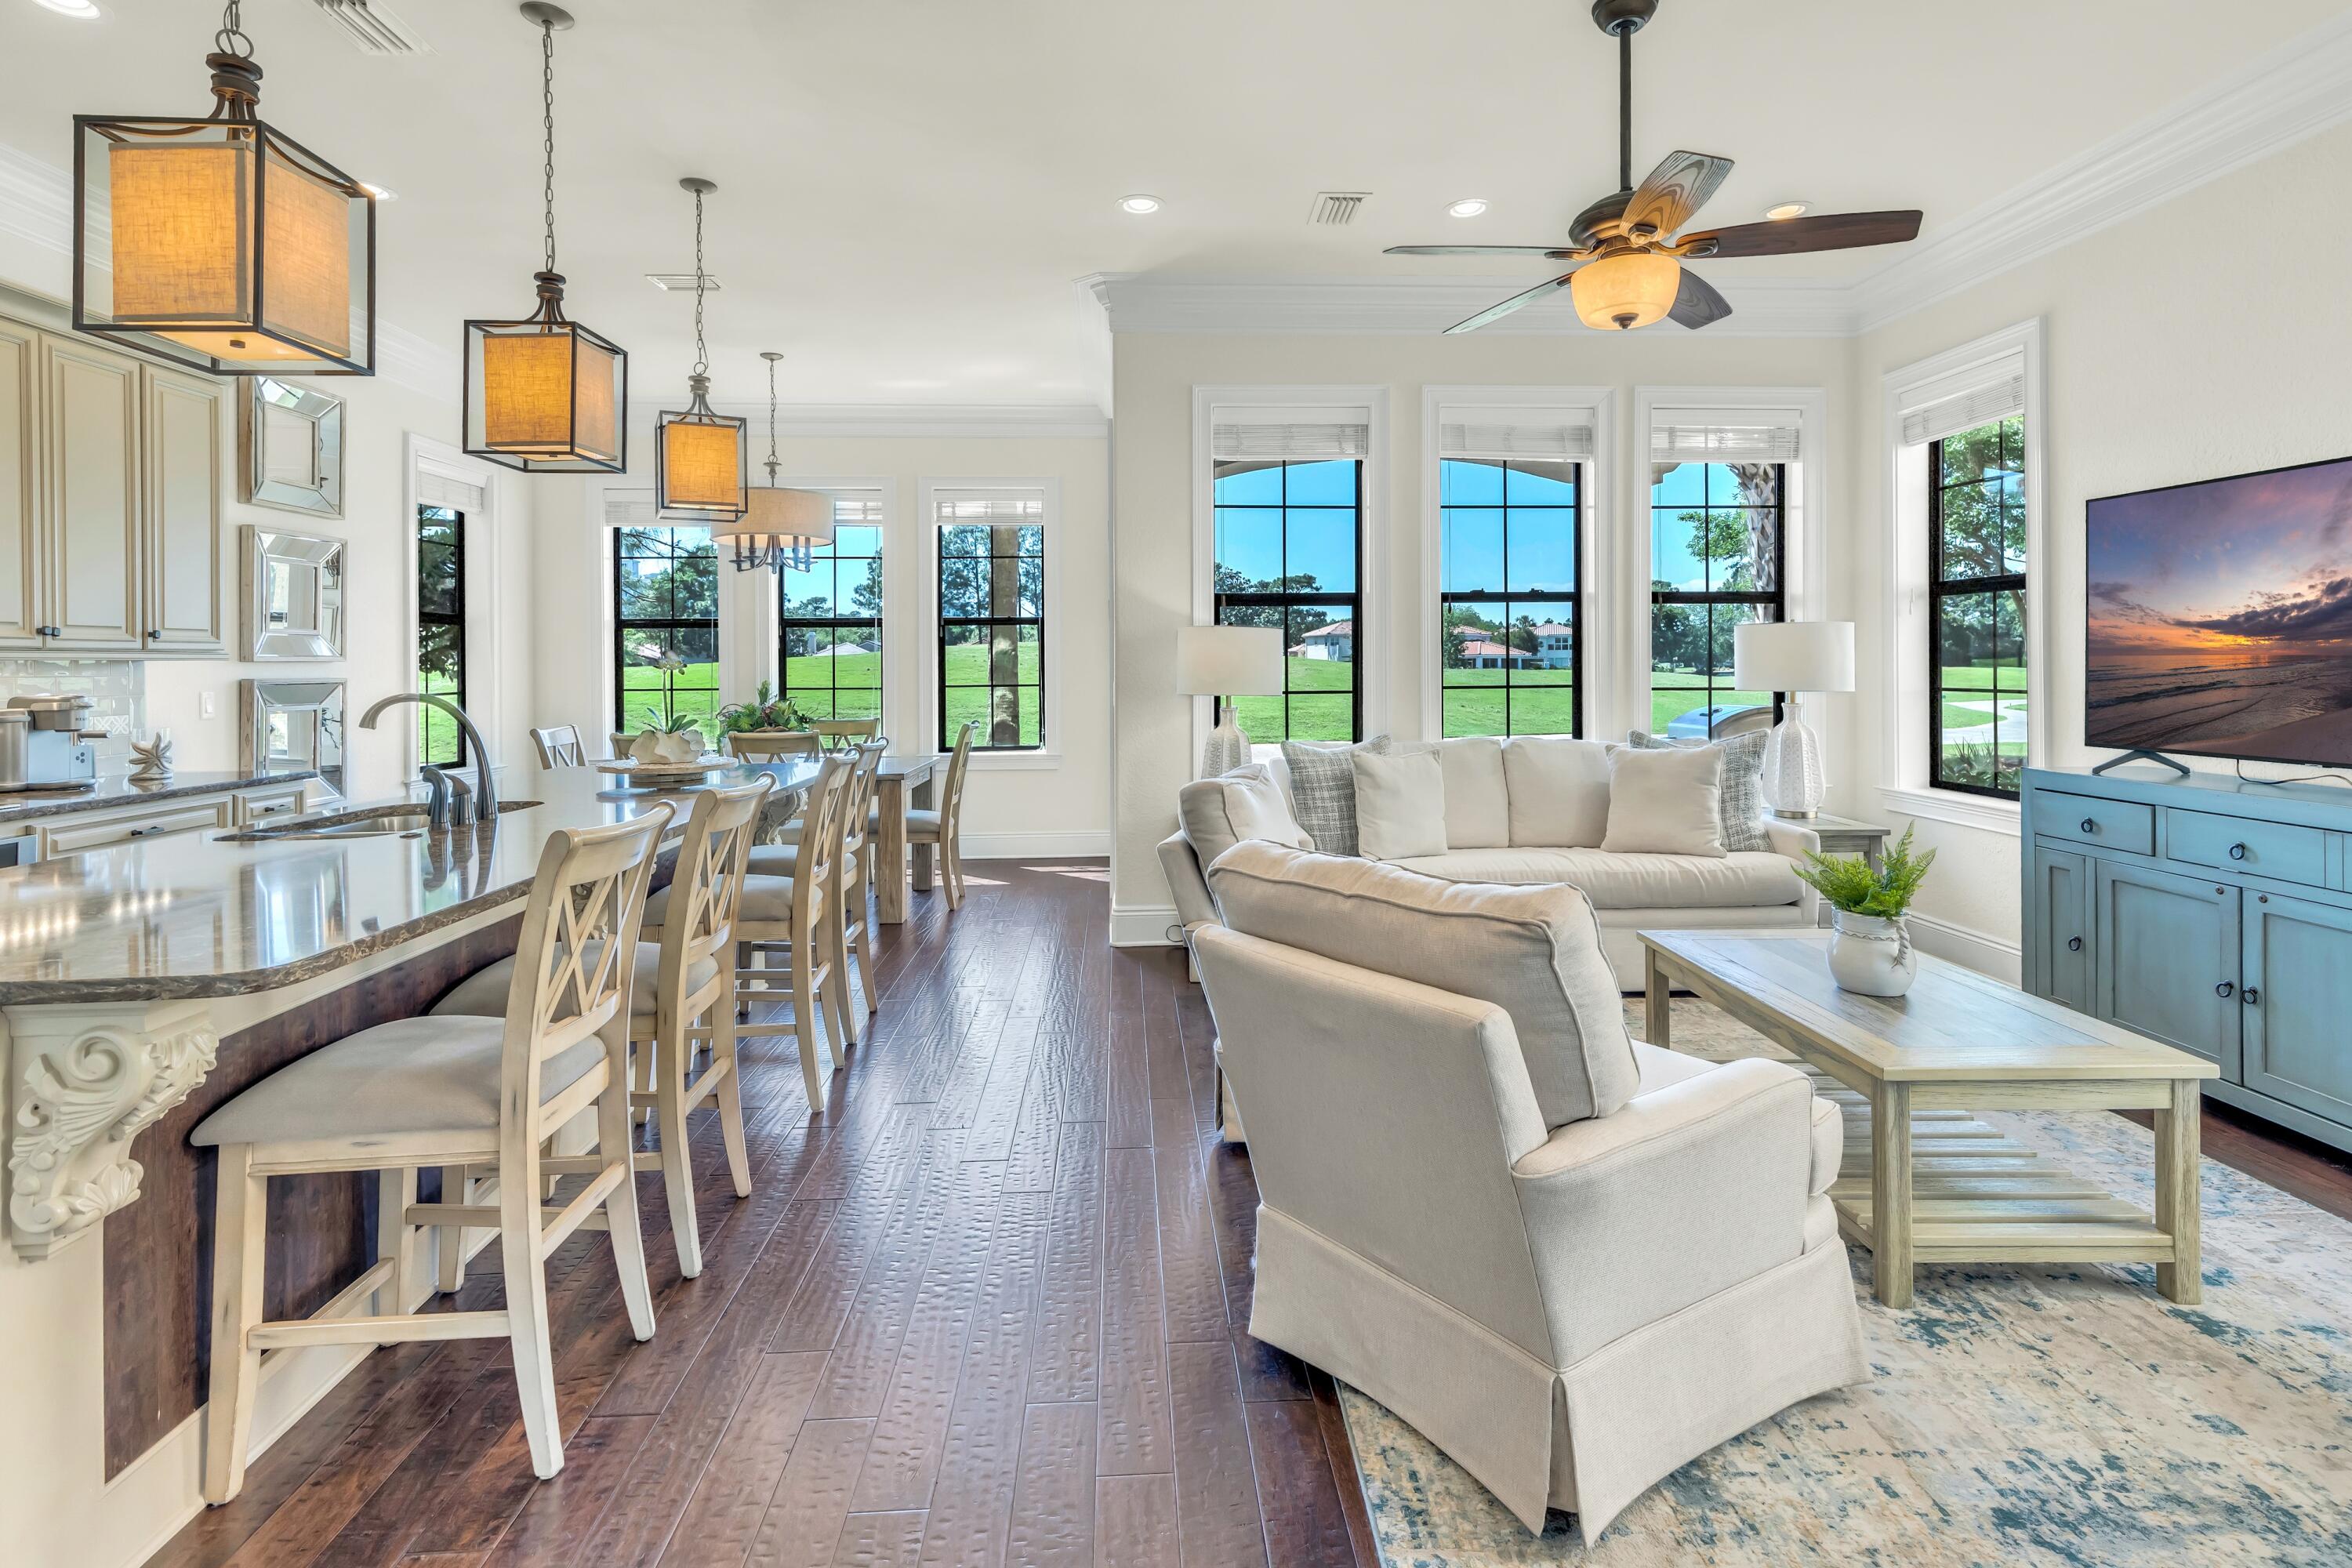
[2060, 1414]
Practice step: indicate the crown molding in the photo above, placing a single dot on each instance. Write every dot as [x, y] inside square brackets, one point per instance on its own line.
[36, 201]
[913, 421]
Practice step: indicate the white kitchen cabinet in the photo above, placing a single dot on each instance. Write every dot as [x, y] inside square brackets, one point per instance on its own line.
[90, 455]
[180, 475]
[21, 562]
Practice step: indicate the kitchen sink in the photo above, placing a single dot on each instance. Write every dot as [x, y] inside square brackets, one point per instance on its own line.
[373, 822]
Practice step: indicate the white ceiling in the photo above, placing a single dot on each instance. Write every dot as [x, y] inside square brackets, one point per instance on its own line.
[908, 188]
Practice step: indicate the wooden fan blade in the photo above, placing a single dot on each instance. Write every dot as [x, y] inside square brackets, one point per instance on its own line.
[1558, 252]
[1696, 303]
[1496, 313]
[1675, 189]
[1831, 231]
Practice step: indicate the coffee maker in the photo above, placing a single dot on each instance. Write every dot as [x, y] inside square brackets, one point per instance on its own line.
[43, 745]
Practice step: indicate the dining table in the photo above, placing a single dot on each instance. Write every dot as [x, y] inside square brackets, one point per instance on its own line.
[904, 782]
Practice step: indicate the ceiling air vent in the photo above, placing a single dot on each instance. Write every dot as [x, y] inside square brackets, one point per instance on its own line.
[1334, 209]
[372, 29]
[673, 282]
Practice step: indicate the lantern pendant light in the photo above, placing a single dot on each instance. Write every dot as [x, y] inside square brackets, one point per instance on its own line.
[779, 527]
[699, 455]
[546, 394]
[219, 244]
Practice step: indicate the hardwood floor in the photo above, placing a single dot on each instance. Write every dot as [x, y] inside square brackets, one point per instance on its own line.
[988, 1308]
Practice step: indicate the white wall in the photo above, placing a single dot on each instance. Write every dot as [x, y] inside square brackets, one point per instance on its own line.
[2190, 343]
[1152, 440]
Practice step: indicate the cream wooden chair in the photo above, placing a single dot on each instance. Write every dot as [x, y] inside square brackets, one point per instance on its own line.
[855, 877]
[445, 1091]
[798, 919]
[682, 997]
[558, 747]
[944, 825]
[774, 745]
[837, 730]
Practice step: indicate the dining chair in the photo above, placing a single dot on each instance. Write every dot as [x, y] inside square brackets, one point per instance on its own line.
[683, 996]
[558, 747]
[856, 879]
[798, 919]
[774, 745]
[444, 1091]
[943, 827]
[837, 730]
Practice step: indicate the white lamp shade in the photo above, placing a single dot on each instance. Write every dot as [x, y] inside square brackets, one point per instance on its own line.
[1228, 661]
[1793, 655]
[781, 513]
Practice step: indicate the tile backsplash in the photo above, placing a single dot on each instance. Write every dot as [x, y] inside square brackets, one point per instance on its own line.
[117, 689]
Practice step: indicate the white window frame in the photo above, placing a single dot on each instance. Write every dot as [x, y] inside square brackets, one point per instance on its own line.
[484, 650]
[759, 602]
[929, 493]
[1903, 768]
[1596, 486]
[1804, 507]
[1368, 405]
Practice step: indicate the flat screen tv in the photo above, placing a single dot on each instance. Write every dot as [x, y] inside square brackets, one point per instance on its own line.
[2220, 617]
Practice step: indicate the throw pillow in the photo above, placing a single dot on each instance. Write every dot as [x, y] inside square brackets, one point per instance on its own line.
[1742, 823]
[1559, 791]
[1477, 803]
[1323, 783]
[1664, 803]
[1533, 951]
[1399, 804]
[1218, 813]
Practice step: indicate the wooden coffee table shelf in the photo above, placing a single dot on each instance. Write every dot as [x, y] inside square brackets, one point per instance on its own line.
[1956, 1190]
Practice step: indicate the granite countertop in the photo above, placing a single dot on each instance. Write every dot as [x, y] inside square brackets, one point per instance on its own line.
[197, 914]
[24, 806]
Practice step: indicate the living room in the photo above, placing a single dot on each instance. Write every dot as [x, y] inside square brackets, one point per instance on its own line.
[1416, 829]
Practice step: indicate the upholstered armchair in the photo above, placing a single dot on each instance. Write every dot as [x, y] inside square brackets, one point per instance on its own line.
[1572, 1261]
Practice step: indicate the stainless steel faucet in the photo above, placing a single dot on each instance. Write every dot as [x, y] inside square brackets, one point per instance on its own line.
[448, 807]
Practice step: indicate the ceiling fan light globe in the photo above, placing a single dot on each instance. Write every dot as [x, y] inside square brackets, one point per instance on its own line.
[1619, 293]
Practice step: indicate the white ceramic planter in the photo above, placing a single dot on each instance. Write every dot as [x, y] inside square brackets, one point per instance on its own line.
[1871, 954]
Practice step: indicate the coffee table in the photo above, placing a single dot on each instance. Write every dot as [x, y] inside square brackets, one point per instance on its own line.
[1935, 1184]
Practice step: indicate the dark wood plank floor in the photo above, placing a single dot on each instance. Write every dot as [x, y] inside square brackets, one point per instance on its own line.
[988, 1308]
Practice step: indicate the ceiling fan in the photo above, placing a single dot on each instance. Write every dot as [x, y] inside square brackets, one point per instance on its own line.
[1629, 268]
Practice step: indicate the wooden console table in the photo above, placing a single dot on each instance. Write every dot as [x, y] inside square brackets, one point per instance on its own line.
[1934, 1185]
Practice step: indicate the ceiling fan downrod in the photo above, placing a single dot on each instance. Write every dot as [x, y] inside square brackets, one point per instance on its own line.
[1623, 18]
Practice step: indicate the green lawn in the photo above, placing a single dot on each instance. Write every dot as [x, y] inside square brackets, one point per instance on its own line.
[847, 686]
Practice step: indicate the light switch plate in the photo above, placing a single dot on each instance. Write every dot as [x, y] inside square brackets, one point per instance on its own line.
[207, 705]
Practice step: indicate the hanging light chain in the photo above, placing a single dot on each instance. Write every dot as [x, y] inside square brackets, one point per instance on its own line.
[547, 129]
[701, 353]
[231, 38]
[773, 463]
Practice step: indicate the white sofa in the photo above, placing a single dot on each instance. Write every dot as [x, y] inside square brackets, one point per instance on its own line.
[1572, 1261]
[1531, 811]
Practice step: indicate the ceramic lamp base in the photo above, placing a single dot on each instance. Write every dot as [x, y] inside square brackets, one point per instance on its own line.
[1794, 782]
[1226, 750]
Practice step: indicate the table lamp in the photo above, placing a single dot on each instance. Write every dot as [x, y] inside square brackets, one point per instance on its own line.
[1791, 657]
[1226, 662]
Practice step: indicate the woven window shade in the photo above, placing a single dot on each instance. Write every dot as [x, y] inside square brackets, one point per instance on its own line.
[1766, 438]
[989, 509]
[439, 490]
[631, 508]
[1496, 441]
[1294, 442]
[1983, 405]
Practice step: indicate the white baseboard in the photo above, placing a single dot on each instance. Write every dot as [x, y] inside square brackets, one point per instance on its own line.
[1035, 846]
[1142, 925]
[1970, 948]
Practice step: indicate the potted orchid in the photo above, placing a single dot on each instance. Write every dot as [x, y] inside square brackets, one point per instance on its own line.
[1870, 947]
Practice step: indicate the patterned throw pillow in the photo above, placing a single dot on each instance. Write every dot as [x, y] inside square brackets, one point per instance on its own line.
[1323, 791]
[1742, 810]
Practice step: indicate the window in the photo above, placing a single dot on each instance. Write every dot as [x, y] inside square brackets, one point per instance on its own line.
[1718, 547]
[1289, 555]
[440, 632]
[1508, 595]
[830, 619]
[1976, 625]
[993, 620]
[666, 606]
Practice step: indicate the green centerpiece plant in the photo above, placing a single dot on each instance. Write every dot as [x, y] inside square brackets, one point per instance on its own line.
[766, 711]
[1870, 949]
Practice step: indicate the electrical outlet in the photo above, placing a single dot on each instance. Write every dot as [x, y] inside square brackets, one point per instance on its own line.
[207, 705]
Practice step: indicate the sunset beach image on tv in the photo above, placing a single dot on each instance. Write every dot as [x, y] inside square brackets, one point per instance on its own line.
[2221, 617]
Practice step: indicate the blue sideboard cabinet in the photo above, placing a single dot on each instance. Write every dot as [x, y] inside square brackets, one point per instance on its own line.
[2212, 913]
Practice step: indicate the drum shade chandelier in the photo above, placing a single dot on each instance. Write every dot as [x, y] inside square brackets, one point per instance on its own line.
[699, 455]
[218, 243]
[546, 394]
[779, 527]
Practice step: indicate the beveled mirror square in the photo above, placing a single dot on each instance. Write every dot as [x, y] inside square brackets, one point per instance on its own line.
[292, 440]
[291, 727]
[293, 594]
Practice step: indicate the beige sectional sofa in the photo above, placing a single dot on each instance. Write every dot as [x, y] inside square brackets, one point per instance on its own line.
[1533, 810]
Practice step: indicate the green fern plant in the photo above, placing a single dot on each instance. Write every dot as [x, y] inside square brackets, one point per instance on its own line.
[1849, 884]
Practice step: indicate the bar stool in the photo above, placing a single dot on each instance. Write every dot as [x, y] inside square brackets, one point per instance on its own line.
[680, 982]
[451, 1091]
[854, 877]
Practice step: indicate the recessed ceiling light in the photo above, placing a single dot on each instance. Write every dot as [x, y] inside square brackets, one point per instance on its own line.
[381, 192]
[1138, 204]
[79, 10]
[1787, 210]
[1468, 207]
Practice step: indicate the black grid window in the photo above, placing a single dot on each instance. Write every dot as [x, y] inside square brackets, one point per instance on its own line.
[992, 623]
[1289, 555]
[1975, 597]
[1718, 541]
[1509, 596]
[440, 632]
[666, 604]
[829, 627]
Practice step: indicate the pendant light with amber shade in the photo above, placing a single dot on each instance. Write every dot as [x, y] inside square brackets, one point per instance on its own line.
[545, 393]
[700, 457]
[780, 528]
[220, 244]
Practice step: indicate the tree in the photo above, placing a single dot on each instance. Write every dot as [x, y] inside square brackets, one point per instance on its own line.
[1303, 619]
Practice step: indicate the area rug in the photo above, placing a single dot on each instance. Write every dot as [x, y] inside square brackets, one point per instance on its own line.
[2018, 1415]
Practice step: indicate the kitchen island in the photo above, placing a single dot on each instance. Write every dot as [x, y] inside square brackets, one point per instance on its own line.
[144, 985]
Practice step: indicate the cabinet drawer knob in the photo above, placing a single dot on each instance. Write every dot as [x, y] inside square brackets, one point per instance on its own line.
[2237, 851]
[2073, 945]
[2089, 825]
[2224, 989]
[2251, 996]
